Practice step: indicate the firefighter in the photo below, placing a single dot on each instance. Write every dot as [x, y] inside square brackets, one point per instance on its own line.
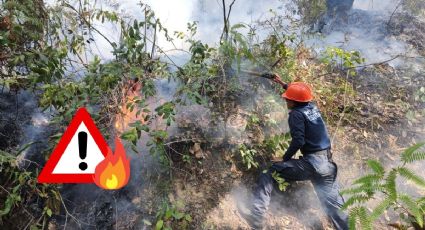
[309, 135]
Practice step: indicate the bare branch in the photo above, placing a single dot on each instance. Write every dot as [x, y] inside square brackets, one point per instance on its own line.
[226, 16]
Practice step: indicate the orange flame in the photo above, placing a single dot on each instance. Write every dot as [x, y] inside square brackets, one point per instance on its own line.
[131, 92]
[114, 171]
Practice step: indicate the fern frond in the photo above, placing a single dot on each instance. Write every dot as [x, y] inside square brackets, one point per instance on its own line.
[353, 216]
[352, 219]
[421, 201]
[380, 208]
[353, 191]
[365, 222]
[413, 208]
[411, 176]
[416, 156]
[363, 189]
[390, 184]
[361, 214]
[368, 179]
[359, 198]
[376, 166]
[411, 154]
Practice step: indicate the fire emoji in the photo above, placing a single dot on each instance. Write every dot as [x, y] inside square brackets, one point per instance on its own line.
[114, 171]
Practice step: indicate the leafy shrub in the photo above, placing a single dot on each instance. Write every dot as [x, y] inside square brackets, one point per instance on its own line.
[172, 214]
[282, 184]
[248, 156]
[345, 60]
[277, 144]
[18, 191]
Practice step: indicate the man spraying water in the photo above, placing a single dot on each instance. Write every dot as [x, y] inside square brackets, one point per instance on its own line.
[310, 136]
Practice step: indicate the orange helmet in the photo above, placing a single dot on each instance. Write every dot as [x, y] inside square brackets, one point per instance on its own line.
[298, 91]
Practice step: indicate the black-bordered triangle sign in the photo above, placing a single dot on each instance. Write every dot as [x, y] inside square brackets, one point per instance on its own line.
[63, 164]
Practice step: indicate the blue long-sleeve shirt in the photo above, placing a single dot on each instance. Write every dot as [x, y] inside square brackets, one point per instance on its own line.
[308, 131]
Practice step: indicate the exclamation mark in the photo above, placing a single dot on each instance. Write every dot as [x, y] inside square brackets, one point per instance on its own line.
[82, 147]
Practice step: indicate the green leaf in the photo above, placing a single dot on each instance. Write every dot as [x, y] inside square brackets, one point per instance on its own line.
[363, 189]
[361, 214]
[7, 205]
[49, 212]
[159, 225]
[411, 154]
[364, 219]
[368, 179]
[411, 176]
[130, 136]
[390, 184]
[360, 198]
[352, 220]
[187, 217]
[380, 208]
[413, 208]
[280, 181]
[168, 214]
[238, 26]
[178, 215]
[376, 167]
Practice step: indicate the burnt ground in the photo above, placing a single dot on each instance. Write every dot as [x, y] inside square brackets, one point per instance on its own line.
[409, 28]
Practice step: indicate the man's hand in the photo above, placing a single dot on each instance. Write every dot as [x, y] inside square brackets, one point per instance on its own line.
[278, 80]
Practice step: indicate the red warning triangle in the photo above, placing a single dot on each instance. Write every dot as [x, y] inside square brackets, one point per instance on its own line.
[62, 166]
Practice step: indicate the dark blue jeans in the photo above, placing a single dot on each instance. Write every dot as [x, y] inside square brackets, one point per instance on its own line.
[316, 168]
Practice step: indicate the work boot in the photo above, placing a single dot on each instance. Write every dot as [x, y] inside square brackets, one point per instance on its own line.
[254, 221]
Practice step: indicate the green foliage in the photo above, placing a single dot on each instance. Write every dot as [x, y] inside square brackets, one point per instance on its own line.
[360, 214]
[413, 153]
[19, 188]
[382, 186]
[376, 167]
[166, 111]
[277, 144]
[133, 134]
[248, 156]
[346, 60]
[197, 74]
[156, 145]
[21, 32]
[170, 215]
[411, 176]
[253, 120]
[282, 184]
[236, 48]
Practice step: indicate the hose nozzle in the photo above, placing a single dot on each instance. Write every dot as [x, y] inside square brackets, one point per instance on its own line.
[268, 76]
